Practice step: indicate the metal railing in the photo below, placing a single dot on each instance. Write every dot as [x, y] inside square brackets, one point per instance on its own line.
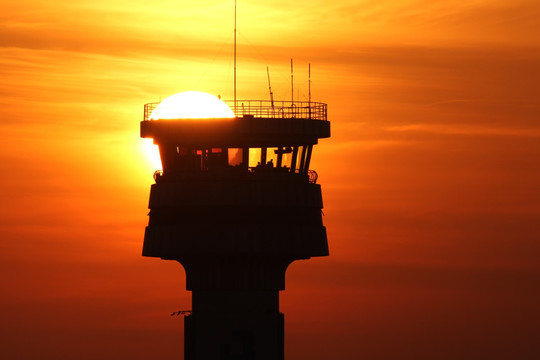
[148, 108]
[312, 175]
[267, 109]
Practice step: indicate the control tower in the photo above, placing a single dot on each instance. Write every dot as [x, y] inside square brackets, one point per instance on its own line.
[235, 204]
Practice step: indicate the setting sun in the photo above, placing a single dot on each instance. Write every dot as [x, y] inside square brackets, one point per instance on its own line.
[191, 105]
[184, 105]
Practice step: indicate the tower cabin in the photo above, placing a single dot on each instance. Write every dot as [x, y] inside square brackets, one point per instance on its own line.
[235, 204]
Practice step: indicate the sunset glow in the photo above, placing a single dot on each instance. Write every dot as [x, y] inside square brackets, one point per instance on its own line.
[430, 178]
[152, 153]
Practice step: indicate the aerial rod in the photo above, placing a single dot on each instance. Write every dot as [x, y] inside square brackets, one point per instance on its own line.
[270, 88]
[235, 56]
[309, 87]
[309, 82]
[292, 83]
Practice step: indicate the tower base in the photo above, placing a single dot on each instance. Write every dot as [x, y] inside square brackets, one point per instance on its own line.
[235, 325]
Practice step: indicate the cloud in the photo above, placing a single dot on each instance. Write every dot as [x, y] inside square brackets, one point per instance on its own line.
[465, 130]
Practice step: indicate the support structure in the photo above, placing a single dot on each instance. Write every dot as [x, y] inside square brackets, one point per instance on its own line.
[235, 204]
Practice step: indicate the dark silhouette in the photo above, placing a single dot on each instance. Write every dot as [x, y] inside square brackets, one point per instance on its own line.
[235, 229]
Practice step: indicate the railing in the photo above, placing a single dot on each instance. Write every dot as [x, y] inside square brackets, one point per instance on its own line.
[311, 174]
[267, 109]
[148, 108]
[279, 109]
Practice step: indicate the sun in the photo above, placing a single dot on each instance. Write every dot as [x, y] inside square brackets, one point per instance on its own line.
[192, 105]
[185, 105]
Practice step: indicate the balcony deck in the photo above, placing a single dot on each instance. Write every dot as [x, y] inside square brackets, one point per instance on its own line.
[266, 109]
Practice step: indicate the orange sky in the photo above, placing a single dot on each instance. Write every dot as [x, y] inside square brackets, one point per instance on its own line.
[430, 180]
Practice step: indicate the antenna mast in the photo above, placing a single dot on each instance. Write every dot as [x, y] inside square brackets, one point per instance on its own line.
[235, 56]
[309, 86]
[270, 88]
[292, 84]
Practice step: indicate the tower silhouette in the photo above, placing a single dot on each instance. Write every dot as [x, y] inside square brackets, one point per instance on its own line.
[235, 204]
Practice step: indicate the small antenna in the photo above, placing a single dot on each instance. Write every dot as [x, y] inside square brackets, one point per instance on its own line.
[292, 84]
[234, 55]
[270, 88]
[309, 86]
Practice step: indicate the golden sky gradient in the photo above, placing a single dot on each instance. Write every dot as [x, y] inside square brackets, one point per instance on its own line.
[430, 180]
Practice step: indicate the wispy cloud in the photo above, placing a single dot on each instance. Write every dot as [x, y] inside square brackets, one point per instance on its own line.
[466, 130]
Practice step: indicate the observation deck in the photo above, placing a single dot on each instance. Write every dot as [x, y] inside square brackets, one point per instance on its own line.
[266, 109]
[268, 139]
[257, 124]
